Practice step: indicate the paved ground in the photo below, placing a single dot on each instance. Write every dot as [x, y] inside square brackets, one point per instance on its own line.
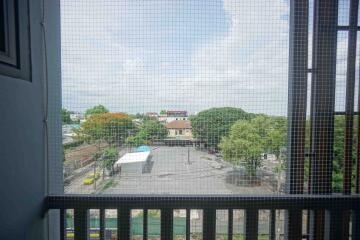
[77, 186]
[172, 173]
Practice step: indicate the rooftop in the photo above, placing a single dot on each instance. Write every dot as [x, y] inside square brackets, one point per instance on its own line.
[179, 124]
[176, 113]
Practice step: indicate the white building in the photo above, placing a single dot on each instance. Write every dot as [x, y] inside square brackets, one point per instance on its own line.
[175, 116]
[179, 129]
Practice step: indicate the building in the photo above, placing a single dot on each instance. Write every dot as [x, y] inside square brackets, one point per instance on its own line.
[176, 115]
[153, 115]
[162, 118]
[76, 116]
[179, 129]
[68, 133]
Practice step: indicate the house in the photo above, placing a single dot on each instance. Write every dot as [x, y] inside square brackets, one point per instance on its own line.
[153, 115]
[179, 129]
[76, 116]
[176, 115]
[162, 118]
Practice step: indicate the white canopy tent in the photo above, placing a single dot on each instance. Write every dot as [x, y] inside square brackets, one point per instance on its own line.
[132, 158]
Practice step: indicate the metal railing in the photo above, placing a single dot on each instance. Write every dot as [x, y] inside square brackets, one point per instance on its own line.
[334, 205]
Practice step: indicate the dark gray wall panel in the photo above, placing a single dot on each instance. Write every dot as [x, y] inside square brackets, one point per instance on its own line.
[22, 169]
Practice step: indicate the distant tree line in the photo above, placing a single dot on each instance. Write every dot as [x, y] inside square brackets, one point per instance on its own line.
[65, 116]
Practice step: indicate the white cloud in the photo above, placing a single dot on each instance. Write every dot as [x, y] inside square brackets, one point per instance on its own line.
[245, 67]
[250, 62]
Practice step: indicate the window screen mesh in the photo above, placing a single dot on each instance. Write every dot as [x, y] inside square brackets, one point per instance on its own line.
[207, 97]
[202, 86]
[182, 79]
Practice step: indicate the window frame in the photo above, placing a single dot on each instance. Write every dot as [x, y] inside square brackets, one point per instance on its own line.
[16, 57]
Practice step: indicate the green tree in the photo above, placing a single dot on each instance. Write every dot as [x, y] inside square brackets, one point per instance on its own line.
[243, 146]
[273, 131]
[262, 124]
[211, 125]
[137, 139]
[111, 127]
[276, 138]
[163, 112]
[338, 164]
[109, 157]
[338, 152]
[139, 115]
[149, 131]
[96, 110]
[65, 116]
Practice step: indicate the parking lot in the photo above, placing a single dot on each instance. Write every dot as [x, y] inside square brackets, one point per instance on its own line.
[182, 170]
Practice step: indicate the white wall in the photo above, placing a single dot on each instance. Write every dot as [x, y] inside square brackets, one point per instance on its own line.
[176, 133]
[170, 119]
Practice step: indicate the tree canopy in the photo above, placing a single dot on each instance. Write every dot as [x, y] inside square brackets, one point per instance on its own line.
[243, 146]
[249, 139]
[338, 161]
[111, 127]
[149, 131]
[338, 152]
[109, 157]
[65, 116]
[211, 125]
[96, 110]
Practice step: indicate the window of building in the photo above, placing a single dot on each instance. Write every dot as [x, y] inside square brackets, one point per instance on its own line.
[14, 39]
[257, 85]
[2, 27]
[229, 74]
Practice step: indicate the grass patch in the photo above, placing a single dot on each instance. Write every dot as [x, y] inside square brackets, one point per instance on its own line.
[108, 184]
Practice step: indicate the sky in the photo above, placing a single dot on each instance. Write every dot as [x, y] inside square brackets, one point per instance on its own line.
[148, 55]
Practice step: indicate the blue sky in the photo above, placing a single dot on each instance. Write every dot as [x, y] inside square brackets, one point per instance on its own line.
[147, 55]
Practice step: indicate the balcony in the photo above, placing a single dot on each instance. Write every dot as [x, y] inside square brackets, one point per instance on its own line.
[307, 205]
[335, 206]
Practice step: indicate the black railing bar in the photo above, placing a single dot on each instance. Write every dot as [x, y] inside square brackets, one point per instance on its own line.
[272, 224]
[346, 28]
[308, 154]
[102, 224]
[251, 224]
[145, 224]
[230, 223]
[209, 223]
[355, 222]
[292, 201]
[188, 212]
[166, 224]
[123, 223]
[343, 113]
[81, 222]
[343, 231]
[62, 223]
[305, 236]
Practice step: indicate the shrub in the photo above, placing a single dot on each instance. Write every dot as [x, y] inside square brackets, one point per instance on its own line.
[73, 144]
[94, 175]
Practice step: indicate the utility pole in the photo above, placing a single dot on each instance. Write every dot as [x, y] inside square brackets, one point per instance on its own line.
[95, 174]
[188, 155]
